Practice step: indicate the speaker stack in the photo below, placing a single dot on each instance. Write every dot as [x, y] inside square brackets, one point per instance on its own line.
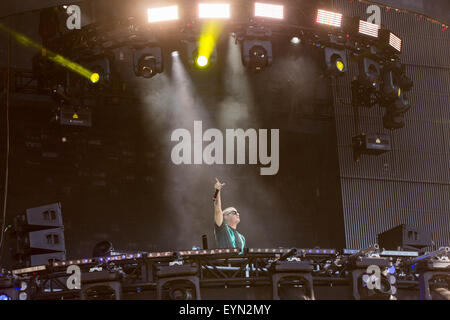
[39, 236]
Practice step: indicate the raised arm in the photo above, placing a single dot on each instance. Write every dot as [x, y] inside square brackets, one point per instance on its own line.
[218, 216]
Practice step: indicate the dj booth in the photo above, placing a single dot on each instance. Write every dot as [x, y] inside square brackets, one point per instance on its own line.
[257, 274]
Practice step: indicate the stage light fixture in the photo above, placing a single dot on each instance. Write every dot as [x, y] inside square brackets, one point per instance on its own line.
[335, 60]
[199, 60]
[257, 54]
[368, 29]
[180, 293]
[95, 77]
[395, 42]
[202, 61]
[389, 41]
[147, 61]
[256, 49]
[295, 40]
[369, 71]
[163, 14]
[333, 19]
[394, 96]
[100, 68]
[214, 10]
[23, 296]
[4, 297]
[266, 10]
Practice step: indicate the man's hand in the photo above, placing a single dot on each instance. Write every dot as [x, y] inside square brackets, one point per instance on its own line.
[218, 216]
[218, 185]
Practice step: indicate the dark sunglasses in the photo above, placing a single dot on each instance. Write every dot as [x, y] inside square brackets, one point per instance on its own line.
[232, 212]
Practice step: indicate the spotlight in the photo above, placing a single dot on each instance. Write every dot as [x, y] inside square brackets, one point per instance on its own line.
[163, 14]
[369, 71]
[202, 61]
[180, 293]
[147, 61]
[175, 54]
[394, 98]
[258, 57]
[23, 296]
[295, 40]
[94, 77]
[395, 82]
[329, 18]
[4, 297]
[266, 10]
[101, 71]
[199, 60]
[257, 49]
[214, 10]
[336, 61]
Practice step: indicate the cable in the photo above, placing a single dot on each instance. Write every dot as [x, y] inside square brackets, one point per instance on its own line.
[5, 197]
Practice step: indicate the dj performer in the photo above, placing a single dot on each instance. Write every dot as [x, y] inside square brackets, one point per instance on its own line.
[225, 224]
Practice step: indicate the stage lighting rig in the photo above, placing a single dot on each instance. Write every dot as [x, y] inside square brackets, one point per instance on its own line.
[394, 98]
[256, 48]
[147, 61]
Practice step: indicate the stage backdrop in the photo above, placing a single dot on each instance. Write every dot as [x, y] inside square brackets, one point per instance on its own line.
[411, 184]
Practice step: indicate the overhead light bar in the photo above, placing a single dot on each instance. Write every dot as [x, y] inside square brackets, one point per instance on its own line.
[368, 29]
[214, 10]
[329, 18]
[266, 10]
[395, 42]
[163, 14]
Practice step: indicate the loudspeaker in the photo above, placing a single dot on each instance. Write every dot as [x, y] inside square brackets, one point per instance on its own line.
[48, 216]
[45, 259]
[405, 237]
[39, 236]
[43, 240]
